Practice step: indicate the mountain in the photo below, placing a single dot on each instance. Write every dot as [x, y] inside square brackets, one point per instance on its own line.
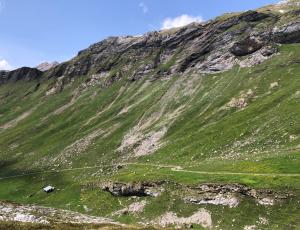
[47, 65]
[196, 126]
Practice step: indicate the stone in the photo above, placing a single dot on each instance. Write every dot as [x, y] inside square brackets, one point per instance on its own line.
[246, 46]
[289, 33]
[132, 189]
[122, 189]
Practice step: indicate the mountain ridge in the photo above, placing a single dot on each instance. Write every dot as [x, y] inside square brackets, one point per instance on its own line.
[163, 37]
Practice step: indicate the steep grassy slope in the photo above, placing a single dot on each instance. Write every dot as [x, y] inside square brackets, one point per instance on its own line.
[207, 135]
[201, 113]
[240, 125]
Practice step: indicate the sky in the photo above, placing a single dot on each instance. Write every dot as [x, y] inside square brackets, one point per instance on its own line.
[34, 31]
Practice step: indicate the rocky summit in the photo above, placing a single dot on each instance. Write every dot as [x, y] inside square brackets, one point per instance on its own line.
[189, 127]
[47, 66]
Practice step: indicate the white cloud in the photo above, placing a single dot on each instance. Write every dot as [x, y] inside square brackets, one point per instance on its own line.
[144, 7]
[4, 65]
[180, 21]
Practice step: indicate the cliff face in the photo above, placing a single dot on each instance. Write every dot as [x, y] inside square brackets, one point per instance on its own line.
[211, 47]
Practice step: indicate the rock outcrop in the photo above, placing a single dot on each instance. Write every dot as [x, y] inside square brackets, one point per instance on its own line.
[289, 33]
[47, 66]
[42, 215]
[246, 46]
[132, 189]
[231, 195]
[24, 73]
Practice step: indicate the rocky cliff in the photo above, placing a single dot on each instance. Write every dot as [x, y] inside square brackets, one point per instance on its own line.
[214, 46]
[217, 45]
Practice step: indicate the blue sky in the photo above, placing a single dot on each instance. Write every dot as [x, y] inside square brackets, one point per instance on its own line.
[34, 31]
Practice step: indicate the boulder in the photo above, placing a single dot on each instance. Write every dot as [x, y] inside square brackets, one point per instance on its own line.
[246, 46]
[122, 189]
[133, 189]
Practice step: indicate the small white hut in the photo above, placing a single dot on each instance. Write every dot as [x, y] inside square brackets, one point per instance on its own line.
[48, 189]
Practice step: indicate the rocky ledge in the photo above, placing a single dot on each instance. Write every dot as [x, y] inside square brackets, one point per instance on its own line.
[133, 189]
[216, 194]
[231, 195]
[42, 215]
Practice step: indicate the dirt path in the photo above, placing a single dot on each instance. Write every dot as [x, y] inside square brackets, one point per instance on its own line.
[237, 173]
[173, 168]
[180, 169]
